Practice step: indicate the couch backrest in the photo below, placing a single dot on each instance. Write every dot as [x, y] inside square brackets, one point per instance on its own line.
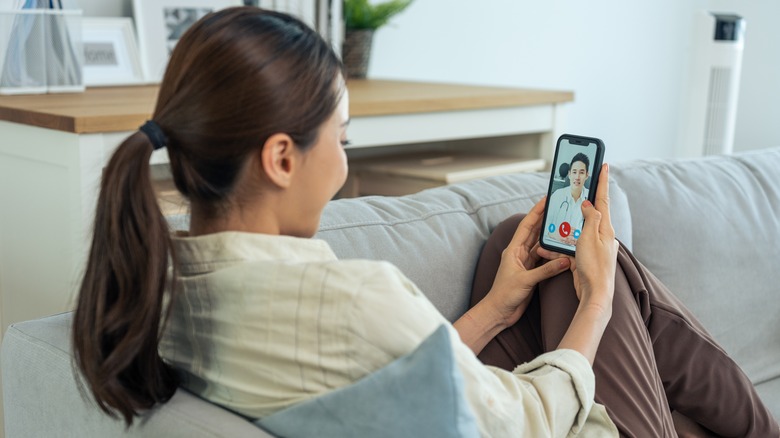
[42, 399]
[710, 230]
[435, 237]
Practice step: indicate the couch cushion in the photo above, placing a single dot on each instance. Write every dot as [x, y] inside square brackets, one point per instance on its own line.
[419, 394]
[710, 230]
[41, 397]
[769, 392]
[435, 236]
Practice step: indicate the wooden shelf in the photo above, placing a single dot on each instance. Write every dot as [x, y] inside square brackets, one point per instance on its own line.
[377, 97]
[108, 109]
[116, 109]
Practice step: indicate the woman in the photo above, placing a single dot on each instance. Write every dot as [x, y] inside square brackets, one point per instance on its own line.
[565, 218]
[252, 313]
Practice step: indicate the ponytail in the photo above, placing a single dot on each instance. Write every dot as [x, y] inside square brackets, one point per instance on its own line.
[116, 326]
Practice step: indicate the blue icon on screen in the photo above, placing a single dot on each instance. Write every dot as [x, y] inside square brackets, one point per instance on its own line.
[576, 234]
[551, 228]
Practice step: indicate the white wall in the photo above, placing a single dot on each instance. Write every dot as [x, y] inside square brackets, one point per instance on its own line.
[625, 61]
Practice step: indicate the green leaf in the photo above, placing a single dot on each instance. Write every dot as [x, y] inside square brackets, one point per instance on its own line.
[360, 14]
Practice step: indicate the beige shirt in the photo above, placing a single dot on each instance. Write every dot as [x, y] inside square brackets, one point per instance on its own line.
[262, 322]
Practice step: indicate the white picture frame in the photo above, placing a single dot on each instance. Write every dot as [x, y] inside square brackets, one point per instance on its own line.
[110, 52]
[160, 23]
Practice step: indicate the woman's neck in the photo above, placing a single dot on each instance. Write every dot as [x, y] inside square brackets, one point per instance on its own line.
[207, 221]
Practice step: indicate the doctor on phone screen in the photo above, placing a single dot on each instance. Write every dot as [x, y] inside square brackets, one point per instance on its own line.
[565, 210]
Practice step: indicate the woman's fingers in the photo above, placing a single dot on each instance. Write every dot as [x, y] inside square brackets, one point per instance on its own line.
[549, 269]
[602, 203]
[549, 255]
[527, 232]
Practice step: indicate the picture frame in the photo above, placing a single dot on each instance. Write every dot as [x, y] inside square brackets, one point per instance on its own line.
[160, 24]
[110, 52]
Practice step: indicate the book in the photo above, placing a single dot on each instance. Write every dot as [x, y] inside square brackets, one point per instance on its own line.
[450, 168]
[400, 175]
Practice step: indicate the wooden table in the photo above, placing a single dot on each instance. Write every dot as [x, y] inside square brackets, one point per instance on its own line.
[53, 148]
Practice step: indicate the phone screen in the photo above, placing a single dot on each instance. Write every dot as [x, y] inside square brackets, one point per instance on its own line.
[573, 180]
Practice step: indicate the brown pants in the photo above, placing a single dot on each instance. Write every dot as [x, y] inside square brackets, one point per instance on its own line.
[654, 358]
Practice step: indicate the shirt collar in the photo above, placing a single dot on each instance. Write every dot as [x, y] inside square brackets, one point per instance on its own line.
[202, 254]
[583, 196]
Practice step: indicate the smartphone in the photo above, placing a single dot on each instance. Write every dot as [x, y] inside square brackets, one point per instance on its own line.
[574, 178]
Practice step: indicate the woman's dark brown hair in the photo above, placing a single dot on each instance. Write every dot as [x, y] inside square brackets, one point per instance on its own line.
[236, 77]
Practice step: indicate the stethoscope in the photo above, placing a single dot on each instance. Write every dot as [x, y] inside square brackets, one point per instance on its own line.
[558, 217]
[565, 201]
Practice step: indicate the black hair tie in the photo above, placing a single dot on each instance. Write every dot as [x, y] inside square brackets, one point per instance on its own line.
[155, 134]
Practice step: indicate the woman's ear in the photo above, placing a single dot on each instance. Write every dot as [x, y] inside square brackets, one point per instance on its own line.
[278, 159]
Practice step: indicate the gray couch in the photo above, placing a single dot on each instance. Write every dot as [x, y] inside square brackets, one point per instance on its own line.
[709, 228]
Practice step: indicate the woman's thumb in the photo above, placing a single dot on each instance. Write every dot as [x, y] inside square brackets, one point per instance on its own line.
[592, 217]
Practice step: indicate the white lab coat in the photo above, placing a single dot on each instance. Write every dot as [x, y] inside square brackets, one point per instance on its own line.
[563, 208]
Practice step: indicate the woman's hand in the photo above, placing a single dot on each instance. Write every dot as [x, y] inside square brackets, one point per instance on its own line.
[517, 273]
[596, 255]
[512, 288]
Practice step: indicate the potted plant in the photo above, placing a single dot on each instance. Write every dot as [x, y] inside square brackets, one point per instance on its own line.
[361, 19]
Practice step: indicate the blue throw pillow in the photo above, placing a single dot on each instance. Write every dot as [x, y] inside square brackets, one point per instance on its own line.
[420, 394]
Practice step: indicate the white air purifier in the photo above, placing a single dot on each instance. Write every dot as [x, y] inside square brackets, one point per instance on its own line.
[710, 96]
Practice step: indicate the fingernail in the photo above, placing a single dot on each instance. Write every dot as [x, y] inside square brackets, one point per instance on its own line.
[563, 263]
[587, 204]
